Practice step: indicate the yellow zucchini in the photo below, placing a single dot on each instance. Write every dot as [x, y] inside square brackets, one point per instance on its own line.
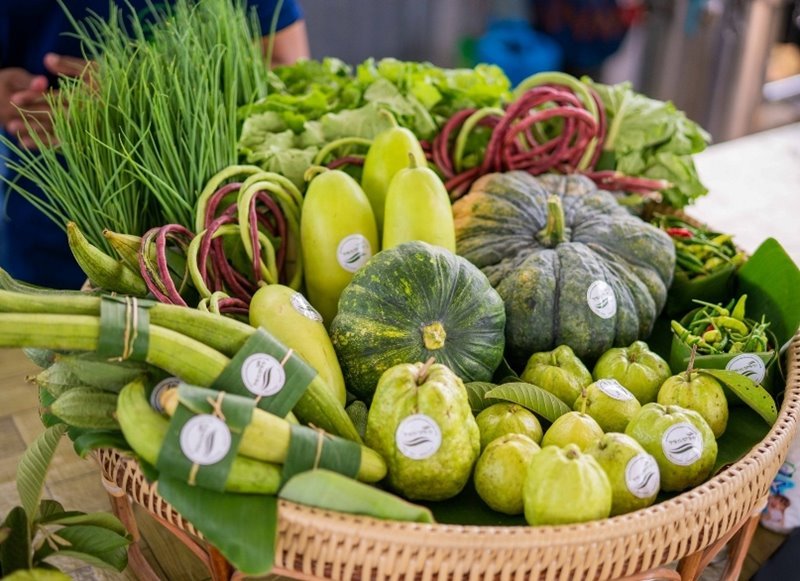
[418, 208]
[286, 315]
[387, 155]
[338, 235]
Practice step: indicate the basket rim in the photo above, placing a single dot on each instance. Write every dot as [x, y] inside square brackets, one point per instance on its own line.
[692, 503]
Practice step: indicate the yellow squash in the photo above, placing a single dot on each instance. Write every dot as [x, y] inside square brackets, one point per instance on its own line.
[387, 155]
[418, 208]
[286, 315]
[337, 237]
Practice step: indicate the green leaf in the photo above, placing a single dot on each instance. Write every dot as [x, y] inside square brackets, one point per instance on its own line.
[98, 519]
[476, 393]
[754, 396]
[94, 439]
[768, 294]
[243, 527]
[744, 431]
[49, 508]
[96, 545]
[46, 399]
[15, 552]
[532, 397]
[32, 468]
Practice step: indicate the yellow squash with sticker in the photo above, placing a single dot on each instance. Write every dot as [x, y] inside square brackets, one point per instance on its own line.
[337, 234]
[418, 208]
[286, 315]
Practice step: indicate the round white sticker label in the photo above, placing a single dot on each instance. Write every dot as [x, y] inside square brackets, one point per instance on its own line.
[353, 252]
[642, 476]
[601, 300]
[682, 444]
[302, 306]
[751, 366]
[613, 388]
[161, 387]
[205, 439]
[263, 375]
[418, 437]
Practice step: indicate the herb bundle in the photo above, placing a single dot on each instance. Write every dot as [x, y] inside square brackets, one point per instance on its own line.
[153, 119]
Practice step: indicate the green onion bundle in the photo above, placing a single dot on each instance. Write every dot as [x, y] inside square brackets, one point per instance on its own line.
[155, 118]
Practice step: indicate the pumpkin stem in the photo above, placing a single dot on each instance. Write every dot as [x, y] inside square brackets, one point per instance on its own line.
[554, 232]
[423, 371]
[433, 336]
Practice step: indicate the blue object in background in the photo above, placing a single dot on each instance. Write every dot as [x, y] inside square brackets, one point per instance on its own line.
[518, 49]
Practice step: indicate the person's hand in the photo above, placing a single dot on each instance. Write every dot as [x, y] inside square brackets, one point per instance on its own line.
[20, 89]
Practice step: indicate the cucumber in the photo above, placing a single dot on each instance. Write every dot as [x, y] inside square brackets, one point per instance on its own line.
[418, 208]
[145, 430]
[56, 379]
[286, 315]
[338, 235]
[96, 371]
[43, 358]
[86, 407]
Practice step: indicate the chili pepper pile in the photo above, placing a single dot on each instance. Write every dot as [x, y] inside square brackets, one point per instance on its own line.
[715, 329]
[699, 252]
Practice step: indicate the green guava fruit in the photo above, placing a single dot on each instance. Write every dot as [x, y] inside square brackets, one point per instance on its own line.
[680, 440]
[609, 403]
[507, 418]
[565, 486]
[421, 423]
[700, 393]
[558, 371]
[636, 368]
[633, 473]
[501, 470]
[573, 428]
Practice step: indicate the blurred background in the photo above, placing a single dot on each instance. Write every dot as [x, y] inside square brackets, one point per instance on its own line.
[732, 65]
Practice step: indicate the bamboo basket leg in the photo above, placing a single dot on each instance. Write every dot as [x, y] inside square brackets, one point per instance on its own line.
[739, 547]
[218, 565]
[122, 509]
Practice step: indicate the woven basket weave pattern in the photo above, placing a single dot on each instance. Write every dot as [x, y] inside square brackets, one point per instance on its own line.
[321, 544]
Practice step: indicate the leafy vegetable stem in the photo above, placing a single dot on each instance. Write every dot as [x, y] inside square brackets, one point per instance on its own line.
[613, 129]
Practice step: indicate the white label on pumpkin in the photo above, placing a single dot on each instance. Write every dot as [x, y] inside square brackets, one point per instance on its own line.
[302, 306]
[418, 437]
[613, 388]
[601, 300]
[751, 366]
[205, 439]
[263, 375]
[353, 252]
[682, 444]
[161, 387]
[642, 476]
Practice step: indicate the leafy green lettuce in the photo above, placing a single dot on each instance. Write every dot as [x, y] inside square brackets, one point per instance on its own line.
[653, 139]
[313, 103]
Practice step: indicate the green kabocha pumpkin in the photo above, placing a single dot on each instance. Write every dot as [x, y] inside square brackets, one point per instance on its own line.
[572, 266]
[412, 302]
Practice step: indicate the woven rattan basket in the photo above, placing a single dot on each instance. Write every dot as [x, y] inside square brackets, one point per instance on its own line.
[320, 544]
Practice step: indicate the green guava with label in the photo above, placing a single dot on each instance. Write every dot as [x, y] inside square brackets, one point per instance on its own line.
[501, 470]
[701, 393]
[559, 371]
[609, 403]
[507, 418]
[421, 423]
[564, 486]
[633, 473]
[680, 440]
[636, 368]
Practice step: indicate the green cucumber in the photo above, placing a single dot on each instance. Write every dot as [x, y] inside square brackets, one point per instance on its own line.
[144, 429]
[86, 407]
[56, 379]
[96, 371]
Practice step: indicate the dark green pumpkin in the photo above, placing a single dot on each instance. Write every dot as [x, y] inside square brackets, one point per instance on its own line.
[560, 275]
[413, 302]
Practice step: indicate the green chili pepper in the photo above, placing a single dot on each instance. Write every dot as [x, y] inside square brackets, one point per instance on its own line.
[712, 336]
[738, 310]
[731, 323]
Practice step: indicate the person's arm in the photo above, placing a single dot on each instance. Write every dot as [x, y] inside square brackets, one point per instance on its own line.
[291, 44]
